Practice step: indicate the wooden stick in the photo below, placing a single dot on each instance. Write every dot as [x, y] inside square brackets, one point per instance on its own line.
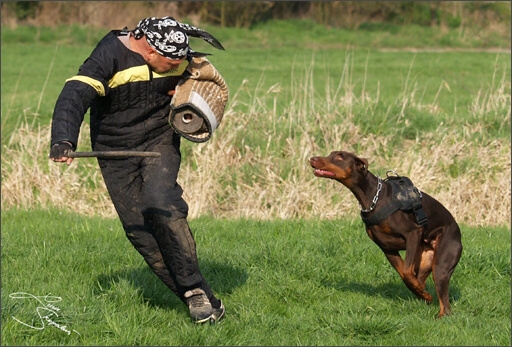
[112, 154]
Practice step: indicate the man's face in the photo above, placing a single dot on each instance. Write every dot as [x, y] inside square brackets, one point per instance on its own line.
[161, 64]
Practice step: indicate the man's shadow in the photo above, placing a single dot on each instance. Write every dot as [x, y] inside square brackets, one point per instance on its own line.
[222, 278]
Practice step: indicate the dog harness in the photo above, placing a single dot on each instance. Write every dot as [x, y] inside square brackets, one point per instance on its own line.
[405, 196]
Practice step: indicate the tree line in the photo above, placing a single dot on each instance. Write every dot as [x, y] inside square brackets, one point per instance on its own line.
[244, 14]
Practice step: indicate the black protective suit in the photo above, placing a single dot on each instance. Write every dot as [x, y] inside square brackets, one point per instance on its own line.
[129, 108]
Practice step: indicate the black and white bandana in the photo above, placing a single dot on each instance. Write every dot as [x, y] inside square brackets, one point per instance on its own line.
[170, 37]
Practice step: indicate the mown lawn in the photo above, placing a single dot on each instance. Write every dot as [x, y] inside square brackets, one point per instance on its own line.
[290, 282]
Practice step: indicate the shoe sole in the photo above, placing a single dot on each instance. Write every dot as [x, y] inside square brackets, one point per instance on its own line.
[214, 319]
[204, 320]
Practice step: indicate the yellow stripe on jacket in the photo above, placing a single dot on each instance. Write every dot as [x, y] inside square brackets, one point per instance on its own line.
[134, 74]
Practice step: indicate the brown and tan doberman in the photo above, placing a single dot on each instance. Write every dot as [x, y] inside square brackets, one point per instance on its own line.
[433, 246]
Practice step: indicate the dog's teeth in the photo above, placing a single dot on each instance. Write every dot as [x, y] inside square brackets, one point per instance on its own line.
[323, 173]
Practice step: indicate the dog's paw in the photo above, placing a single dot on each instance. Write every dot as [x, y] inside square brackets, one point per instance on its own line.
[426, 296]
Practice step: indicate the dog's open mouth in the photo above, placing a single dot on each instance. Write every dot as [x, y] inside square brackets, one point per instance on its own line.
[324, 173]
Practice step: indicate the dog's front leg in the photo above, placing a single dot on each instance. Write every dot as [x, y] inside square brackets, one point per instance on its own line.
[407, 275]
[413, 257]
[396, 261]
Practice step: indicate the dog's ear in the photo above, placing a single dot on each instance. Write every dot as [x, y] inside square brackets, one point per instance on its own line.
[362, 165]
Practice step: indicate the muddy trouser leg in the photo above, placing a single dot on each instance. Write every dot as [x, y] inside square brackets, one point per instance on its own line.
[178, 248]
[124, 184]
[149, 203]
[146, 245]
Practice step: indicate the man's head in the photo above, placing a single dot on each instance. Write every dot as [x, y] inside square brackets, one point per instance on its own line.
[169, 37]
[165, 35]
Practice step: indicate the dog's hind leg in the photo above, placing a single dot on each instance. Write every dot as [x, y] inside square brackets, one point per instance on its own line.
[446, 256]
[425, 266]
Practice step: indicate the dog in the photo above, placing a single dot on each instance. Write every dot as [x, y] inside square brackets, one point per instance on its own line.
[425, 229]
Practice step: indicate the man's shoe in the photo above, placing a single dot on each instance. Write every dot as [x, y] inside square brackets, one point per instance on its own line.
[218, 313]
[199, 306]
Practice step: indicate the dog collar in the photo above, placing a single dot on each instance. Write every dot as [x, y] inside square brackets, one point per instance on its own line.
[375, 198]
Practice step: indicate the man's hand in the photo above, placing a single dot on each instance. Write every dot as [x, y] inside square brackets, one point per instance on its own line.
[59, 152]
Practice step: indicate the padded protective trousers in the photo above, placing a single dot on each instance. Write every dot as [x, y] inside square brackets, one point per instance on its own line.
[149, 202]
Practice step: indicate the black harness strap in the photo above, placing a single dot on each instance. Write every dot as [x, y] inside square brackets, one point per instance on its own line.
[381, 213]
[421, 216]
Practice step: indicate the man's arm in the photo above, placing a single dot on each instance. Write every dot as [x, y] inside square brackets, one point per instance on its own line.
[75, 99]
[69, 112]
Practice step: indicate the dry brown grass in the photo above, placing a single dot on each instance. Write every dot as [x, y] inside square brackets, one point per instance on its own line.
[30, 179]
[281, 183]
[480, 196]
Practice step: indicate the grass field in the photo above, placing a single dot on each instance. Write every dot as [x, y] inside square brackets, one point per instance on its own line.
[285, 250]
[292, 282]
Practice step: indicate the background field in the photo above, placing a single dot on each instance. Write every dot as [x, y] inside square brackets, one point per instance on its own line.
[440, 117]
[285, 250]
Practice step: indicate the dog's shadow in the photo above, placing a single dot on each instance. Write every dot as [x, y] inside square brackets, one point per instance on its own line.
[395, 290]
[223, 279]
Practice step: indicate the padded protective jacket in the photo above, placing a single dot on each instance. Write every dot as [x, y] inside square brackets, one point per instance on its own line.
[129, 103]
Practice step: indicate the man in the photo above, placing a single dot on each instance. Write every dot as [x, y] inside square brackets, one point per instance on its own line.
[128, 82]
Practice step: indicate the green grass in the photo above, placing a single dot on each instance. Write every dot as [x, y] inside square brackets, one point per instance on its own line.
[290, 282]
